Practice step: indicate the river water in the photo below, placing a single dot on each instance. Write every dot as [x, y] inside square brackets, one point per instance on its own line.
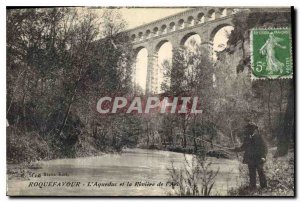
[133, 165]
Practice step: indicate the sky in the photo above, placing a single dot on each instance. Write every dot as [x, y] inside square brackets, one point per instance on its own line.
[139, 16]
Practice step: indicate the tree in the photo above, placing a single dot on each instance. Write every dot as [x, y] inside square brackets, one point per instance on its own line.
[59, 62]
[239, 38]
[190, 74]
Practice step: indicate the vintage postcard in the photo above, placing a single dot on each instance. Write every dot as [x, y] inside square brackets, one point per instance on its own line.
[160, 101]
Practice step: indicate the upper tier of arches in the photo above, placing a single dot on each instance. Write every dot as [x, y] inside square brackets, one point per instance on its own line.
[194, 18]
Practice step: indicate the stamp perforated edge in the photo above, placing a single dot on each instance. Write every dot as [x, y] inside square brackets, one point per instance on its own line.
[253, 77]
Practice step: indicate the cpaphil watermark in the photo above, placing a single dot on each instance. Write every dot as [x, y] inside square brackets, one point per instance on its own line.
[146, 105]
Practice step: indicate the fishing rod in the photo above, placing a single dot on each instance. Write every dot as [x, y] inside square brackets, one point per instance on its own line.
[215, 145]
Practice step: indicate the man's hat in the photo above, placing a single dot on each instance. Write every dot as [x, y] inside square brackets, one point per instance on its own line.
[252, 126]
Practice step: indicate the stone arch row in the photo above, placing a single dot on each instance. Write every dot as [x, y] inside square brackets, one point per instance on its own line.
[182, 40]
[189, 21]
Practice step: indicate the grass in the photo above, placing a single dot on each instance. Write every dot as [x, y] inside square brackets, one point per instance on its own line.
[280, 177]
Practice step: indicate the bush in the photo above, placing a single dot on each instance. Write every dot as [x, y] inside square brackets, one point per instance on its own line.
[280, 177]
[180, 149]
[196, 178]
[26, 147]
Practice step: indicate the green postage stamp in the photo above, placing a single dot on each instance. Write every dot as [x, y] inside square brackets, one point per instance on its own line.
[271, 53]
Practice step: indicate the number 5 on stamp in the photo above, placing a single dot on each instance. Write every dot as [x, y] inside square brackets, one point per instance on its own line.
[271, 53]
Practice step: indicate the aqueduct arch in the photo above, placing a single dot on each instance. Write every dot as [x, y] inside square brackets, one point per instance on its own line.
[139, 67]
[216, 29]
[186, 37]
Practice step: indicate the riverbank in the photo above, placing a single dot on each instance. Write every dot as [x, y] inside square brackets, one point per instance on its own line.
[280, 174]
[23, 170]
[142, 165]
[132, 165]
[217, 153]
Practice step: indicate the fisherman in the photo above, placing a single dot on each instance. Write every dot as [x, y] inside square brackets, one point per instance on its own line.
[256, 150]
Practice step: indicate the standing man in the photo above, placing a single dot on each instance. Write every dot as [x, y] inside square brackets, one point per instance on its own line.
[256, 150]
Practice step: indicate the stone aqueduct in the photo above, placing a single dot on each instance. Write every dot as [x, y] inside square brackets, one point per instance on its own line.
[176, 29]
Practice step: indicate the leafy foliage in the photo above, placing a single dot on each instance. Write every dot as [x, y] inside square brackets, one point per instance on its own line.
[58, 65]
